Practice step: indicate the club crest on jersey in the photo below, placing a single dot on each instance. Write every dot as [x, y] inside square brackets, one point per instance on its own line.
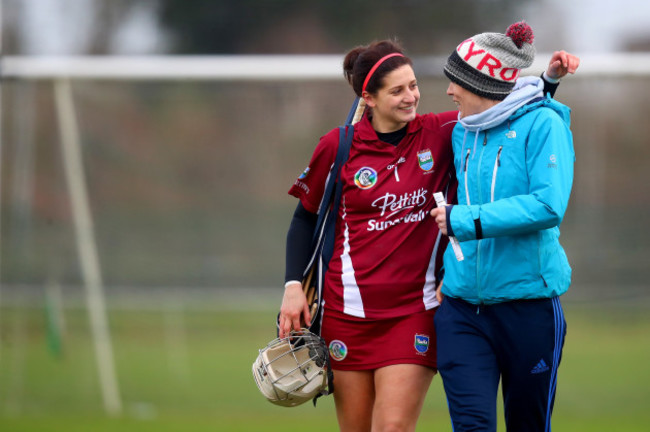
[421, 343]
[425, 159]
[365, 178]
[304, 173]
[338, 350]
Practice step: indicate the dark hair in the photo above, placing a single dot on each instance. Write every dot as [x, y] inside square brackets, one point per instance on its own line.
[358, 62]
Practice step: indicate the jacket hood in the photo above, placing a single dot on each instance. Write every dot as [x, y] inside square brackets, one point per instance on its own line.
[562, 110]
[526, 90]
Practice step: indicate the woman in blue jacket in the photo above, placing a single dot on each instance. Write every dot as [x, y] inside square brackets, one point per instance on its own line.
[501, 317]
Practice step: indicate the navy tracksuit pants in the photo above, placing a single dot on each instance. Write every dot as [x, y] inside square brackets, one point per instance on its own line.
[518, 342]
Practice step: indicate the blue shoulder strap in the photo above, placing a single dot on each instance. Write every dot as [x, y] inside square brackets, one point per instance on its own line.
[323, 240]
[345, 142]
[346, 133]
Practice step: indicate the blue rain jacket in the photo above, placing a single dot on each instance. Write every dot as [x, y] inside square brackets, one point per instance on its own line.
[515, 178]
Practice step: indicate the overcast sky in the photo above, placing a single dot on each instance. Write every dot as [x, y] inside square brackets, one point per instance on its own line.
[587, 26]
[58, 27]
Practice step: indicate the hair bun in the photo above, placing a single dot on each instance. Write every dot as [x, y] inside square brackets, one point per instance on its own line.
[520, 33]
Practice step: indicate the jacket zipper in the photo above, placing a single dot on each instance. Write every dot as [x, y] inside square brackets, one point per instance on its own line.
[466, 187]
[478, 243]
[497, 164]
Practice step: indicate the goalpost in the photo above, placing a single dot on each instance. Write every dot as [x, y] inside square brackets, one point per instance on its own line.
[62, 70]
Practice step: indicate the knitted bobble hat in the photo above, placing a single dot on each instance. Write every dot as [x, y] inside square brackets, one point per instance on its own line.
[488, 64]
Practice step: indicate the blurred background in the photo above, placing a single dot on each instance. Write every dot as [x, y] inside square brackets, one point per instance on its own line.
[174, 271]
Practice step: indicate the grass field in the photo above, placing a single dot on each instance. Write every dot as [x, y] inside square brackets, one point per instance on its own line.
[190, 370]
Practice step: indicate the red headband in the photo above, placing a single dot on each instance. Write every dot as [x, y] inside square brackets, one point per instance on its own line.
[374, 68]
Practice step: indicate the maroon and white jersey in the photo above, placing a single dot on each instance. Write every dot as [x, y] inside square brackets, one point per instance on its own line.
[387, 247]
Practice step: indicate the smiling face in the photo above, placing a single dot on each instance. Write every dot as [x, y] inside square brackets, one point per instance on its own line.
[395, 103]
[468, 103]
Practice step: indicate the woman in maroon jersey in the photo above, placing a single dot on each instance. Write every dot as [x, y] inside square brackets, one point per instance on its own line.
[379, 293]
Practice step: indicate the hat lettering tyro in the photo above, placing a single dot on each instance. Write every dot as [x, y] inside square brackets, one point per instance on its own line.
[488, 64]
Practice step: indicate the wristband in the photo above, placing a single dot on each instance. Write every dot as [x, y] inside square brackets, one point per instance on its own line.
[549, 79]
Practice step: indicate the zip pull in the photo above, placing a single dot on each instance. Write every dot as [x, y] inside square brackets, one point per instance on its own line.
[497, 164]
[466, 185]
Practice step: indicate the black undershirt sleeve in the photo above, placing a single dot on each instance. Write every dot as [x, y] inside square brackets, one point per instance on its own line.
[549, 87]
[299, 238]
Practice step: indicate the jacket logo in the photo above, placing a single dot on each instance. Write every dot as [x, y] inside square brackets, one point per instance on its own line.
[425, 159]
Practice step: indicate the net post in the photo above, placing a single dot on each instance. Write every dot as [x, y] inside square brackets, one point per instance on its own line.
[86, 245]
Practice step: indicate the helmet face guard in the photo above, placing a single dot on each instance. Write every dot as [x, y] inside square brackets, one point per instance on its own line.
[290, 371]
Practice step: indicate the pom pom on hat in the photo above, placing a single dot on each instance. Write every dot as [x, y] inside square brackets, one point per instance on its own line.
[519, 33]
[488, 64]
